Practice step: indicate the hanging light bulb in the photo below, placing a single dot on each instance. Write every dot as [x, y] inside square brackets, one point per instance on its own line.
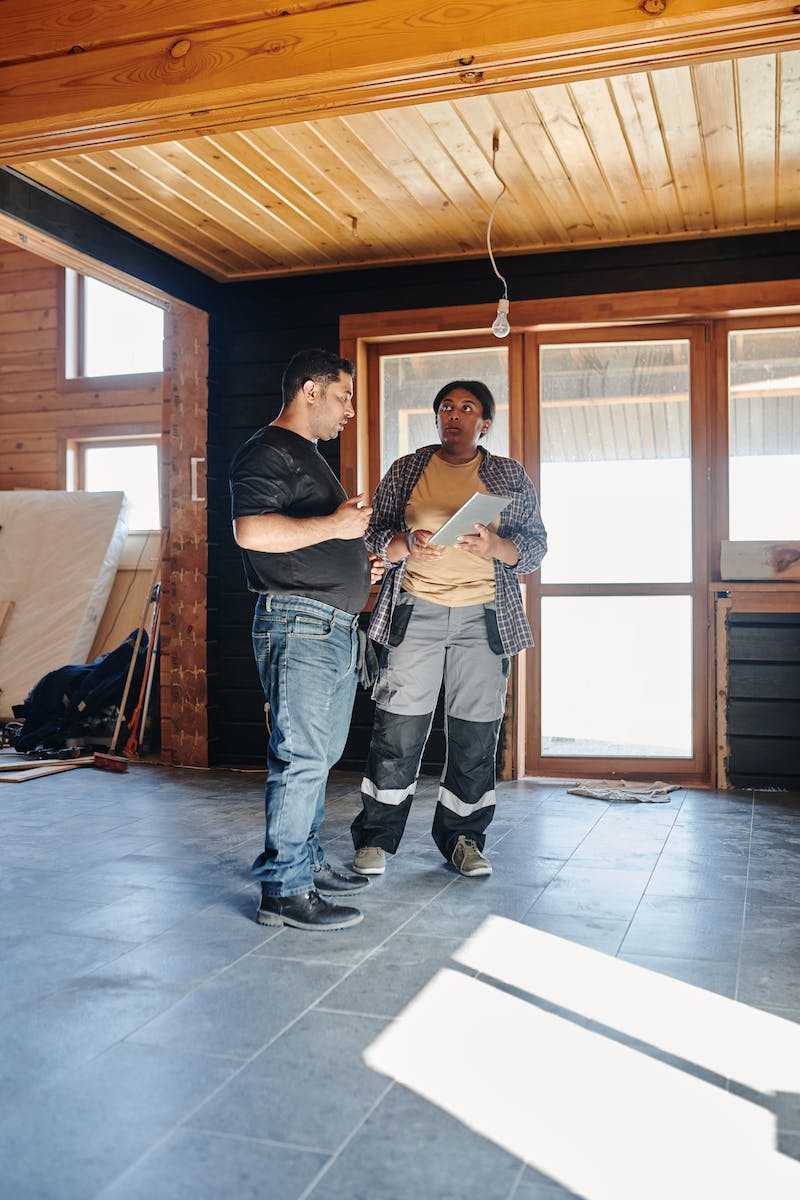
[500, 325]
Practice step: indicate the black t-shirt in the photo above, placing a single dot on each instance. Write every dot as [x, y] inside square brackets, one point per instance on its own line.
[278, 471]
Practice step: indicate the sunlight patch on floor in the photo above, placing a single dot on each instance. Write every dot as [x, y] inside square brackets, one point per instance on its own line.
[605, 1120]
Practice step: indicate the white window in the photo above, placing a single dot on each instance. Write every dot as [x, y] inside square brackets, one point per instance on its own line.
[764, 434]
[109, 332]
[129, 465]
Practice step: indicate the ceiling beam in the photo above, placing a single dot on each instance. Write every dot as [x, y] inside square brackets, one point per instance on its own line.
[139, 86]
[41, 29]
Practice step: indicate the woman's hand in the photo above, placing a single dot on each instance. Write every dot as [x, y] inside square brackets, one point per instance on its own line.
[419, 548]
[484, 543]
[412, 545]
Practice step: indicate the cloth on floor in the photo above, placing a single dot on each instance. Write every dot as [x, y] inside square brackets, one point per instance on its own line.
[620, 789]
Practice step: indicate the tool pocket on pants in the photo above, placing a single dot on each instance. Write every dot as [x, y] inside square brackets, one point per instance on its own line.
[492, 630]
[400, 618]
[368, 661]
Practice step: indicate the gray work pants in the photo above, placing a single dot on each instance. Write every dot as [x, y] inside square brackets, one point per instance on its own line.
[440, 644]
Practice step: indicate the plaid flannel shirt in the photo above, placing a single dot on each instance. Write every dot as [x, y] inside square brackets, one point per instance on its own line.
[520, 522]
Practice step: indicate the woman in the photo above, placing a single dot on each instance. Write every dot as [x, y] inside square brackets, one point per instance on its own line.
[445, 613]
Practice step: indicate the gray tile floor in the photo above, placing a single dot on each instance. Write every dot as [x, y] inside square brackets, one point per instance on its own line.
[615, 1014]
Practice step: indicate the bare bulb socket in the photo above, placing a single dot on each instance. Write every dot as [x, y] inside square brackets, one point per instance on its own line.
[500, 326]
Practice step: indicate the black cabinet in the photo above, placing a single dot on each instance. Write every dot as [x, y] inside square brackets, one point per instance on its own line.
[763, 700]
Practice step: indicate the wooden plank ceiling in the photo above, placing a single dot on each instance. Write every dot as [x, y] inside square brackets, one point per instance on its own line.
[687, 151]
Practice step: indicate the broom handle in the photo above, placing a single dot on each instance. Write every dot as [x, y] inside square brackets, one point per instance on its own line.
[128, 678]
[132, 744]
[150, 675]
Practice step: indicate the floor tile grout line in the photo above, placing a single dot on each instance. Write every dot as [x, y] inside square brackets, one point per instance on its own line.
[608, 808]
[676, 814]
[745, 897]
[320, 1175]
[577, 847]
[564, 860]
[517, 1181]
[249, 1139]
[712, 829]
[270, 1042]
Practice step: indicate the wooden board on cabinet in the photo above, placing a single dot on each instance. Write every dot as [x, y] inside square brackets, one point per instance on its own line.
[778, 561]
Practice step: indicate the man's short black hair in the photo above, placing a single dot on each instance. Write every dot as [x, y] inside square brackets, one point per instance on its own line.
[323, 366]
[475, 388]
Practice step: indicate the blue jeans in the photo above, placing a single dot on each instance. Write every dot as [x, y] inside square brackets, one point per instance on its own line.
[307, 656]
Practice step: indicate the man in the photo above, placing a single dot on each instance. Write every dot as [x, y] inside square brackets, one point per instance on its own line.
[304, 554]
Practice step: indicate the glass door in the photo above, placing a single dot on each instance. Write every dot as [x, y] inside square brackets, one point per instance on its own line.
[619, 680]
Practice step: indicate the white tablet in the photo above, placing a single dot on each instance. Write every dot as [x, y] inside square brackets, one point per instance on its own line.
[479, 508]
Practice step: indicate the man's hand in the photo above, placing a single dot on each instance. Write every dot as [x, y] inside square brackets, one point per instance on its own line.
[273, 533]
[351, 518]
[376, 567]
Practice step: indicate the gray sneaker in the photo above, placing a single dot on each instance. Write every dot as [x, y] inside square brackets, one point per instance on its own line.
[369, 860]
[467, 858]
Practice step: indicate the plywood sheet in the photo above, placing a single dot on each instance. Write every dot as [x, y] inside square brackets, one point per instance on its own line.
[38, 772]
[59, 553]
[13, 765]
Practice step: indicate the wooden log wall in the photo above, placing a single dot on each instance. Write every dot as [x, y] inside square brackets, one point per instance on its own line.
[184, 688]
[28, 346]
[261, 324]
[37, 411]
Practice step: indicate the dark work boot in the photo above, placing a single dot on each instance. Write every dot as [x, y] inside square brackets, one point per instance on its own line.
[330, 880]
[306, 911]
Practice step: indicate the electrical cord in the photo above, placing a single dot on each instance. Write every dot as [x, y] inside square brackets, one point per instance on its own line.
[498, 198]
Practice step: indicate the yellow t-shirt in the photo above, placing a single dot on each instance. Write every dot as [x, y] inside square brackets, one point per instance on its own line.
[457, 578]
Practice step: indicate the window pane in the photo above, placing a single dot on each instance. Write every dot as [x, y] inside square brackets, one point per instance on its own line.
[617, 676]
[129, 469]
[123, 334]
[764, 437]
[616, 462]
[409, 383]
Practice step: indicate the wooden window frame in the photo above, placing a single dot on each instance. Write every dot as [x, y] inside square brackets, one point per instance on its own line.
[372, 474]
[697, 767]
[721, 433]
[110, 437]
[71, 349]
[717, 309]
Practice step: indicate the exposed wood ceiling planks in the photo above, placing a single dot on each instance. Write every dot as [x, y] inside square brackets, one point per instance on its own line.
[684, 151]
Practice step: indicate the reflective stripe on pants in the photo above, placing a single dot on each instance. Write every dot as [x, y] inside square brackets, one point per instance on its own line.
[449, 645]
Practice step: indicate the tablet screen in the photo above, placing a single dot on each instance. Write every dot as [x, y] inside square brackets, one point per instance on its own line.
[479, 508]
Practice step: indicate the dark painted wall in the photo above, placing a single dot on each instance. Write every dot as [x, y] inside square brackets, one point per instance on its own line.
[260, 325]
[255, 327]
[82, 230]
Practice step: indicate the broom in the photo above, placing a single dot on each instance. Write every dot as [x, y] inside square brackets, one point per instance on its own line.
[109, 761]
[131, 748]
